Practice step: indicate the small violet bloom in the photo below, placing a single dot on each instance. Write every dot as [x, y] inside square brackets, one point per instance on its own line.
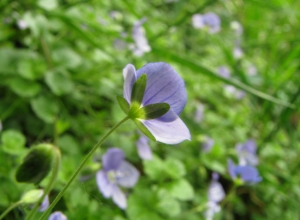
[246, 173]
[1, 126]
[141, 43]
[22, 24]
[210, 20]
[164, 88]
[216, 194]
[247, 153]
[57, 216]
[208, 144]
[144, 150]
[116, 172]
[45, 204]
[199, 113]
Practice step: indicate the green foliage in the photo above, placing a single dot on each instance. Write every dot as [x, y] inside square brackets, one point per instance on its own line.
[61, 68]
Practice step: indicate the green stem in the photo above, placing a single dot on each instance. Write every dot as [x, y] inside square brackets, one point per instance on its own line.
[14, 205]
[58, 197]
[56, 165]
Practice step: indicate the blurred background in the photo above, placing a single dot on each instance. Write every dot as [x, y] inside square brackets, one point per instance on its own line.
[61, 67]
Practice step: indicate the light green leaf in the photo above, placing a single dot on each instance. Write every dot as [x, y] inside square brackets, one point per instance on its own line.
[169, 207]
[24, 88]
[180, 189]
[58, 82]
[45, 108]
[154, 168]
[13, 142]
[174, 168]
[123, 104]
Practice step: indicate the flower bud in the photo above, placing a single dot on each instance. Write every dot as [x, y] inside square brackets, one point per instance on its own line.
[32, 196]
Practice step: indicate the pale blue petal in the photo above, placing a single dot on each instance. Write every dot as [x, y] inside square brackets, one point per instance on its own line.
[172, 132]
[127, 175]
[57, 216]
[104, 185]
[112, 159]
[45, 204]
[231, 169]
[215, 192]
[129, 75]
[163, 85]
[143, 148]
[249, 174]
[119, 198]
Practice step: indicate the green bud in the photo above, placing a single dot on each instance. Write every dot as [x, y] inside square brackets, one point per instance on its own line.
[138, 89]
[37, 164]
[32, 196]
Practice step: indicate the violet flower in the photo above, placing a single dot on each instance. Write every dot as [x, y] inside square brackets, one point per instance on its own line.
[143, 148]
[208, 144]
[216, 194]
[210, 20]
[1, 127]
[141, 42]
[247, 153]
[57, 216]
[246, 173]
[116, 172]
[160, 102]
[199, 113]
[45, 204]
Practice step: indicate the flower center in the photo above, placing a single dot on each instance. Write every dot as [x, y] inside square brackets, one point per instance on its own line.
[135, 111]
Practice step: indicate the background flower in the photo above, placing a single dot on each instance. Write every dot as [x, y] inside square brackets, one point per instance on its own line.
[210, 19]
[57, 216]
[143, 148]
[247, 153]
[116, 172]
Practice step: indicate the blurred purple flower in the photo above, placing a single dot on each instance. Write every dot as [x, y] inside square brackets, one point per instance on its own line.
[198, 116]
[1, 127]
[45, 204]
[144, 150]
[224, 72]
[248, 174]
[252, 71]
[208, 144]
[210, 20]
[216, 194]
[22, 24]
[247, 153]
[116, 172]
[164, 85]
[57, 216]
[238, 52]
[141, 43]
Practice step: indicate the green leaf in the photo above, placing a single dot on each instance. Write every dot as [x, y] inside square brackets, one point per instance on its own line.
[13, 142]
[180, 189]
[138, 89]
[184, 61]
[143, 129]
[153, 111]
[169, 206]
[174, 168]
[24, 88]
[45, 108]
[36, 165]
[58, 82]
[123, 104]
[154, 168]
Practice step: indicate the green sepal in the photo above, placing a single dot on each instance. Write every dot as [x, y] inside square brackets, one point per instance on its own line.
[123, 104]
[138, 89]
[36, 165]
[153, 111]
[32, 196]
[143, 129]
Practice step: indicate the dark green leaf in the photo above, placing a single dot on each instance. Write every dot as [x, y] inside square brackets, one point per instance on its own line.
[153, 111]
[123, 104]
[143, 129]
[138, 89]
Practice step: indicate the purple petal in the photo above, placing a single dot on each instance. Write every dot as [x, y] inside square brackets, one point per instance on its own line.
[249, 174]
[231, 169]
[143, 148]
[163, 85]
[208, 144]
[45, 204]
[224, 72]
[57, 216]
[168, 132]
[213, 21]
[104, 185]
[119, 198]
[215, 192]
[112, 159]
[138, 35]
[127, 175]
[129, 75]
[198, 21]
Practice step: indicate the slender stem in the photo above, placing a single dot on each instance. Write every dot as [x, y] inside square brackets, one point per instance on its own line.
[14, 205]
[79, 169]
[56, 165]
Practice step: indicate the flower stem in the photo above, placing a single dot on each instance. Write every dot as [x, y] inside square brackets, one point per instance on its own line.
[56, 165]
[14, 205]
[58, 197]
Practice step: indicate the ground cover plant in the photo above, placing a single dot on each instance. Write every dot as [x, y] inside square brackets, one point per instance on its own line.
[149, 110]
